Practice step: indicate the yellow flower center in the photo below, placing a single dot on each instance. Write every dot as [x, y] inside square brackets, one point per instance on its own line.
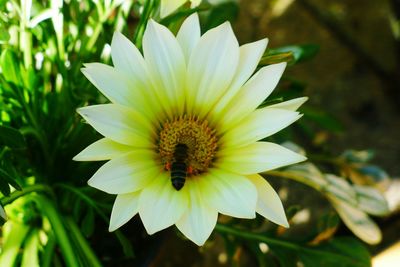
[199, 138]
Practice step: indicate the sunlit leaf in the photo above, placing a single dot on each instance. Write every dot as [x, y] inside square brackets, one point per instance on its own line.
[4, 35]
[357, 221]
[300, 52]
[30, 255]
[341, 189]
[371, 200]
[9, 66]
[308, 174]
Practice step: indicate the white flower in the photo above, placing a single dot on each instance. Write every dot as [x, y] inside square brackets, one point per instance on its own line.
[196, 93]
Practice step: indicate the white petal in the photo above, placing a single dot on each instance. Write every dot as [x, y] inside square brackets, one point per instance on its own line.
[211, 68]
[120, 124]
[166, 65]
[110, 82]
[269, 205]
[128, 173]
[125, 207]
[160, 205]
[229, 193]
[103, 149]
[129, 61]
[169, 6]
[250, 55]
[252, 94]
[198, 222]
[189, 35]
[258, 125]
[257, 157]
[127, 58]
[292, 104]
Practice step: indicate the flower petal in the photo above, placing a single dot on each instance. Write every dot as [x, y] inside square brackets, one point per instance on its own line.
[198, 222]
[160, 205]
[250, 55]
[258, 125]
[129, 61]
[229, 193]
[252, 94]
[125, 207]
[125, 174]
[257, 157]
[211, 68]
[189, 35]
[292, 104]
[103, 149]
[120, 124]
[166, 65]
[110, 82]
[169, 6]
[269, 205]
[127, 58]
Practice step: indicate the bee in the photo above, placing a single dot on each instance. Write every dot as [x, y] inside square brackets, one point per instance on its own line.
[179, 169]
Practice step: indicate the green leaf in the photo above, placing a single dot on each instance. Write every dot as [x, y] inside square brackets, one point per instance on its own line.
[357, 221]
[341, 189]
[3, 215]
[9, 66]
[228, 11]
[15, 236]
[300, 53]
[348, 248]
[276, 58]
[11, 137]
[371, 200]
[5, 180]
[183, 13]
[87, 225]
[30, 255]
[323, 119]
[285, 257]
[4, 188]
[4, 35]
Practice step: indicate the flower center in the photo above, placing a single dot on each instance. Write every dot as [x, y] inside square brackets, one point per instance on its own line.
[196, 135]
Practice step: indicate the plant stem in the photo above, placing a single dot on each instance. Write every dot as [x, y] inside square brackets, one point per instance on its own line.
[83, 244]
[251, 236]
[17, 194]
[54, 217]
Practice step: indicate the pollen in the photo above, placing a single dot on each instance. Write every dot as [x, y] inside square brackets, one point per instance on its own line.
[196, 135]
